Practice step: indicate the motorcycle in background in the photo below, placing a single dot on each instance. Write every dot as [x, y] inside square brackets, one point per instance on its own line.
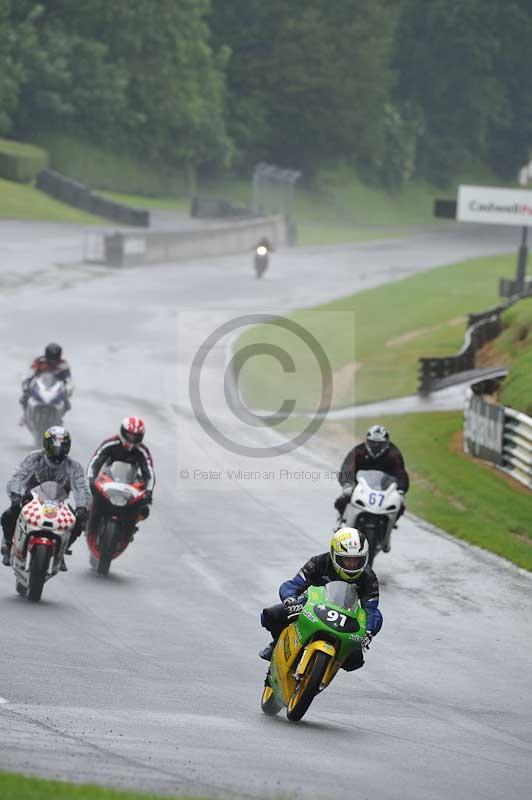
[373, 508]
[118, 494]
[46, 406]
[311, 650]
[262, 258]
[41, 538]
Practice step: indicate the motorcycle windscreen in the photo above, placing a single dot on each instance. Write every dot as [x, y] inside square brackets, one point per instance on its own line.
[47, 379]
[121, 472]
[342, 594]
[51, 492]
[376, 479]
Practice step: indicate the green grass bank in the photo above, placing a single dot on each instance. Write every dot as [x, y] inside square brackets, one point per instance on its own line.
[373, 339]
[22, 201]
[20, 787]
[514, 347]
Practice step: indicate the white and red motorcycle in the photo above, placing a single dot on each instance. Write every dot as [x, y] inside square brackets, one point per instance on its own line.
[373, 507]
[46, 404]
[41, 538]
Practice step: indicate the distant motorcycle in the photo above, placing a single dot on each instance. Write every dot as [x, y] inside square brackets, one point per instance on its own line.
[373, 508]
[262, 259]
[46, 406]
[311, 650]
[41, 538]
[118, 496]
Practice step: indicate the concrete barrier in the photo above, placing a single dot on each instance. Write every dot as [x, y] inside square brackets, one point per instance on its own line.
[123, 249]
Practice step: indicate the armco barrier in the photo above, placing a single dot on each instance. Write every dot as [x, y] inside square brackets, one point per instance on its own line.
[482, 328]
[499, 434]
[80, 196]
[124, 249]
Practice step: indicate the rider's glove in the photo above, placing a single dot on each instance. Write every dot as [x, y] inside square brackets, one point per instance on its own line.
[293, 606]
[366, 641]
[82, 515]
[16, 501]
[148, 496]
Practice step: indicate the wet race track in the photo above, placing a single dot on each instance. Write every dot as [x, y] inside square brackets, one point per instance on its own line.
[150, 679]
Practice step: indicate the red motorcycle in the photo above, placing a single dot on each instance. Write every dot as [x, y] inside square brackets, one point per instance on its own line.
[119, 492]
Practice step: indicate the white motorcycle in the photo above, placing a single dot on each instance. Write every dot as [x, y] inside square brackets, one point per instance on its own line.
[46, 404]
[41, 538]
[373, 507]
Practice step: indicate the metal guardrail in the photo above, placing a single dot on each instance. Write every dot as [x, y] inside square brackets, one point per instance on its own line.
[80, 196]
[517, 446]
[499, 434]
[482, 328]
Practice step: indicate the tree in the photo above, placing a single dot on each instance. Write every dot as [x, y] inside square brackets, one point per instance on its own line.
[308, 83]
[446, 57]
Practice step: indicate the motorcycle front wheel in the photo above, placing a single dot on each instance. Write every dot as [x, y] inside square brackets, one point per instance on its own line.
[269, 703]
[40, 560]
[308, 687]
[108, 541]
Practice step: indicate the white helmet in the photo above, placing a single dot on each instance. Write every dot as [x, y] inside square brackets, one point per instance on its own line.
[377, 440]
[349, 553]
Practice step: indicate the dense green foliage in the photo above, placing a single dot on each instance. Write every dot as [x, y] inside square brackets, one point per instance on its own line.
[396, 88]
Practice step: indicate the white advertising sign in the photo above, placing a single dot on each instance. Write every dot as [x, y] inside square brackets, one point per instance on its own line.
[494, 206]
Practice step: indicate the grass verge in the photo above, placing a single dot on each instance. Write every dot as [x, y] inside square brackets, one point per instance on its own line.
[466, 497]
[20, 787]
[513, 347]
[19, 201]
[373, 339]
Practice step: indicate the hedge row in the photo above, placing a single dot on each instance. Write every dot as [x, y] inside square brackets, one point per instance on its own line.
[21, 162]
[77, 194]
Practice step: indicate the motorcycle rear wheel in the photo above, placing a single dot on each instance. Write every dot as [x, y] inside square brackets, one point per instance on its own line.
[40, 560]
[308, 687]
[108, 540]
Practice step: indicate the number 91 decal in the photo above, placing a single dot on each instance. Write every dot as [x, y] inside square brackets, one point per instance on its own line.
[336, 619]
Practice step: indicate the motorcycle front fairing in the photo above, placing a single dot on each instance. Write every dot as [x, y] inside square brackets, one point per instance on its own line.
[332, 621]
[45, 519]
[374, 494]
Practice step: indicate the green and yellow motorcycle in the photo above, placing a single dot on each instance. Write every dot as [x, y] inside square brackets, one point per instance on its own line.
[311, 650]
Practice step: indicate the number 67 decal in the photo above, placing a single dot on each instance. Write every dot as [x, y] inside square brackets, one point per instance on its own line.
[376, 499]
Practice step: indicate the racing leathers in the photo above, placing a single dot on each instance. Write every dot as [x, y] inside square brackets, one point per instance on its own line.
[112, 450]
[391, 462]
[37, 468]
[318, 571]
[60, 369]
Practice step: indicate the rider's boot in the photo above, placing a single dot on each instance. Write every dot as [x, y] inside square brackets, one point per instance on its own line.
[5, 550]
[63, 567]
[267, 652]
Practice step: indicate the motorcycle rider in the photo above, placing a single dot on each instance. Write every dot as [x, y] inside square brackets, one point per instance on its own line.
[52, 361]
[377, 452]
[126, 446]
[52, 463]
[347, 560]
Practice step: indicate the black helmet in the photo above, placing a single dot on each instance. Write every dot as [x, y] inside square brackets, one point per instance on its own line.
[56, 443]
[53, 352]
[377, 440]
